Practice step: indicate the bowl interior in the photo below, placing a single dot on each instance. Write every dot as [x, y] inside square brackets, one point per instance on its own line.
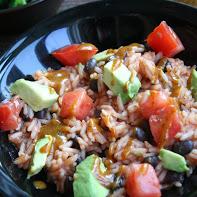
[106, 24]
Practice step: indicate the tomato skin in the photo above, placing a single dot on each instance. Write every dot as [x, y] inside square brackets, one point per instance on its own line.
[76, 103]
[164, 39]
[9, 114]
[85, 108]
[162, 113]
[142, 181]
[74, 54]
[165, 125]
[155, 101]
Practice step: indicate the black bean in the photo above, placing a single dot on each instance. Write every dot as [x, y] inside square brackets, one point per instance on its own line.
[99, 154]
[153, 160]
[172, 176]
[119, 181]
[75, 144]
[97, 113]
[146, 127]
[173, 191]
[193, 179]
[29, 78]
[183, 147]
[41, 114]
[195, 171]
[94, 85]
[68, 187]
[102, 154]
[92, 153]
[165, 66]
[140, 134]
[90, 65]
[79, 159]
[111, 58]
[23, 116]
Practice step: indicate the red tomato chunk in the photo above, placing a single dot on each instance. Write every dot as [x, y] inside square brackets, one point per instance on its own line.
[75, 54]
[9, 114]
[142, 181]
[76, 103]
[164, 39]
[163, 115]
[155, 101]
[165, 125]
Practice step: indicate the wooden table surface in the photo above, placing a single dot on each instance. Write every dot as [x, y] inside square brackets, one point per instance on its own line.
[7, 40]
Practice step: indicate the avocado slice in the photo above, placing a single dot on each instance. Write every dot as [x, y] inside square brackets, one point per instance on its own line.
[39, 157]
[85, 183]
[173, 161]
[194, 84]
[35, 95]
[103, 55]
[120, 80]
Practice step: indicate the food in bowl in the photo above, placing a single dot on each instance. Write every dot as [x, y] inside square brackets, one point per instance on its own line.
[117, 122]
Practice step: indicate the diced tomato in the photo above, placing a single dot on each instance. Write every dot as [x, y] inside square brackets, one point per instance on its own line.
[163, 115]
[76, 103]
[9, 114]
[153, 101]
[75, 54]
[164, 39]
[165, 125]
[142, 181]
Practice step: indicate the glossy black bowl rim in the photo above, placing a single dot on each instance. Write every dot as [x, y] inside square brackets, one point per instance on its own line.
[21, 39]
[43, 22]
[9, 10]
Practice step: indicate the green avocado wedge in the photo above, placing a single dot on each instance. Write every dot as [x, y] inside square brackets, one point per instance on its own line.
[173, 161]
[37, 96]
[85, 183]
[194, 84]
[39, 157]
[120, 80]
[101, 56]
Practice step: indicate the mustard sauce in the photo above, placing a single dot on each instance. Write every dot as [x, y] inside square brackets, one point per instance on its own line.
[57, 77]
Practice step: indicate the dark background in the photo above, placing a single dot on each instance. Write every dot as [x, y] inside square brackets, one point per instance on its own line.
[7, 39]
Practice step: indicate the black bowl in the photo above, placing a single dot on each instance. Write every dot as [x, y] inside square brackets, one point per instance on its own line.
[107, 24]
[22, 17]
